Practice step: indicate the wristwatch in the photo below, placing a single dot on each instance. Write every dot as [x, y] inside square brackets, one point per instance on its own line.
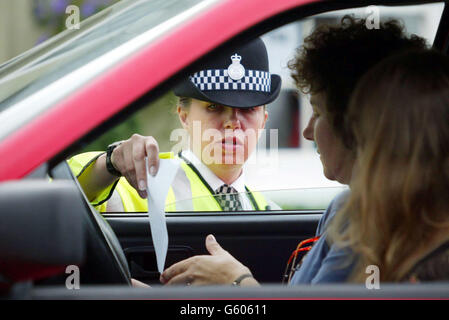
[109, 166]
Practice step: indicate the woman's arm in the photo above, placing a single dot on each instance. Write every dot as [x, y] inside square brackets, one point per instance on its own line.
[129, 159]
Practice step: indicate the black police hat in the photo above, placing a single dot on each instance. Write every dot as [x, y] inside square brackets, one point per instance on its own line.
[238, 79]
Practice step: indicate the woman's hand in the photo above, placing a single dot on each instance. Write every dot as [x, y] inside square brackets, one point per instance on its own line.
[129, 159]
[218, 268]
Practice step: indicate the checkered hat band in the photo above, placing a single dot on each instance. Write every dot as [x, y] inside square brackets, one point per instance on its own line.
[218, 79]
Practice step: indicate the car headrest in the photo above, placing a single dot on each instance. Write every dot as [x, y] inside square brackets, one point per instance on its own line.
[41, 229]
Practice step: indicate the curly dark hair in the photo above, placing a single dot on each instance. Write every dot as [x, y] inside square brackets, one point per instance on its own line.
[334, 57]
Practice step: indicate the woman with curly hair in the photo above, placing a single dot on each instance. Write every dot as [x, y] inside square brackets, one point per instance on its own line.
[398, 211]
[328, 67]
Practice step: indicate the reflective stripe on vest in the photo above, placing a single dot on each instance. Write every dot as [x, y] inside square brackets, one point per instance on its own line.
[187, 192]
[182, 192]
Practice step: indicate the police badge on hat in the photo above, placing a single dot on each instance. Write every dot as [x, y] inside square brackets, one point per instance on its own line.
[236, 84]
[235, 70]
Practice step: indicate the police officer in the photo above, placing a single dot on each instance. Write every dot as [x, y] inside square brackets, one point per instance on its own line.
[222, 107]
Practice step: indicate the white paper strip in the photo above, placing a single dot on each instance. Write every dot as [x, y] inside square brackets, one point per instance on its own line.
[157, 189]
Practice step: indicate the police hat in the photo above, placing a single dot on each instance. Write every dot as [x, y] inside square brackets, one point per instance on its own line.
[238, 79]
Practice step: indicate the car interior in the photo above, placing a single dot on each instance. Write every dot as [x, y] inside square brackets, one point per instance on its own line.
[48, 226]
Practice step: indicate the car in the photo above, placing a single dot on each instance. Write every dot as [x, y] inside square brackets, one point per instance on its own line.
[60, 97]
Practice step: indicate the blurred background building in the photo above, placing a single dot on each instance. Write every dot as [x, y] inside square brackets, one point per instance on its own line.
[26, 23]
[295, 163]
[18, 29]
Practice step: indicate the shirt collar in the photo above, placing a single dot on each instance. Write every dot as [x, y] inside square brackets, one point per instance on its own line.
[210, 177]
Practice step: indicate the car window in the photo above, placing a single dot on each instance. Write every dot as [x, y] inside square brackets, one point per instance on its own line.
[58, 67]
[112, 27]
[285, 169]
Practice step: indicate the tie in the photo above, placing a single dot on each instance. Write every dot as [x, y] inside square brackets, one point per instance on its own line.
[228, 198]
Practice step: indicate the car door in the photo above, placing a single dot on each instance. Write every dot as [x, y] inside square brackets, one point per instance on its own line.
[262, 240]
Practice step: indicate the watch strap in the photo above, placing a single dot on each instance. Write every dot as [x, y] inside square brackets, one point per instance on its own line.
[239, 279]
[109, 166]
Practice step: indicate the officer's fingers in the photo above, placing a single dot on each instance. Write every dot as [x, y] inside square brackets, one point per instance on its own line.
[138, 155]
[131, 178]
[213, 247]
[128, 168]
[152, 150]
[122, 163]
[124, 153]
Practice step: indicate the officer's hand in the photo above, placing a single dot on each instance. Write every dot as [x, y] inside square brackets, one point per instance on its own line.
[129, 159]
[218, 268]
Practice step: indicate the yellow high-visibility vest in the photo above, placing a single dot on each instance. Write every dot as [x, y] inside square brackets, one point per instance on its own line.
[188, 192]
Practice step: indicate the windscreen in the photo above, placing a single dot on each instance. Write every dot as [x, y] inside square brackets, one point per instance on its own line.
[72, 49]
